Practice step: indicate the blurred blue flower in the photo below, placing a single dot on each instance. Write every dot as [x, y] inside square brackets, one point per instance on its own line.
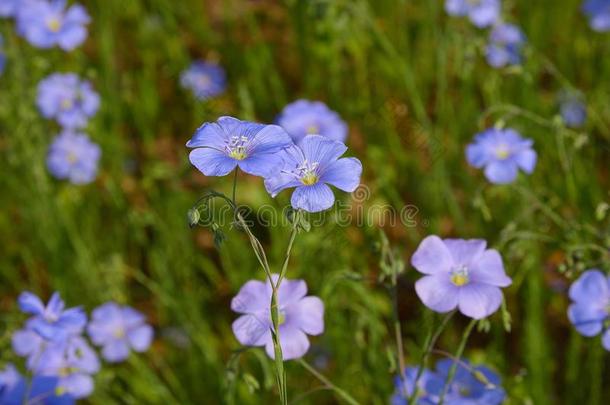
[73, 362]
[470, 385]
[299, 316]
[573, 111]
[505, 46]
[406, 387]
[40, 390]
[502, 152]
[482, 13]
[2, 56]
[8, 8]
[73, 157]
[590, 310]
[52, 321]
[598, 12]
[228, 143]
[303, 117]
[49, 23]
[204, 79]
[310, 167]
[68, 99]
[459, 274]
[118, 329]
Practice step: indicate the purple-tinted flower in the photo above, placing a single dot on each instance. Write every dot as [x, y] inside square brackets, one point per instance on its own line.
[470, 385]
[481, 13]
[68, 99]
[40, 390]
[404, 389]
[73, 362]
[228, 143]
[299, 316]
[598, 12]
[459, 274]
[310, 167]
[119, 329]
[52, 321]
[505, 46]
[204, 79]
[502, 152]
[49, 23]
[590, 310]
[304, 117]
[573, 111]
[73, 157]
[8, 8]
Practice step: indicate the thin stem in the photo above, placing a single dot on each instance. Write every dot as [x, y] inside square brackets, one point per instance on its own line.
[234, 186]
[340, 392]
[293, 235]
[458, 356]
[398, 336]
[430, 342]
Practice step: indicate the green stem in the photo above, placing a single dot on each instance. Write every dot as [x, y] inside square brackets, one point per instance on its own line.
[398, 336]
[340, 392]
[430, 342]
[458, 356]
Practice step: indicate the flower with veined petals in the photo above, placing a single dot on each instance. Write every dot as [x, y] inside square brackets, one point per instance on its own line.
[309, 168]
[220, 147]
[459, 274]
[502, 152]
[48, 23]
[590, 310]
[118, 329]
[299, 316]
[303, 117]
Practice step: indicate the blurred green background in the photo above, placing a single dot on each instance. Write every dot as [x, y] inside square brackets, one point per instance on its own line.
[414, 87]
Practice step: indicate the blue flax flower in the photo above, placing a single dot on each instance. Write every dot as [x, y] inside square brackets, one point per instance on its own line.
[502, 152]
[52, 321]
[460, 274]
[505, 46]
[300, 315]
[304, 117]
[573, 111]
[309, 168]
[470, 385]
[204, 79]
[222, 146]
[49, 23]
[73, 157]
[118, 329]
[404, 389]
[40, 390]
[598, 12]
[481, 13]
[68, 99]
[590, 310]
[8, 8]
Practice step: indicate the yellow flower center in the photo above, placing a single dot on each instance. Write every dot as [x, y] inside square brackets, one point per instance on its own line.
[118, 333]
[307, 173]
[66, 104]
[309, 179]
[459, 276]
[237, 147]
[54, 24]
[313, 130]
[502, 152]
[238, 154]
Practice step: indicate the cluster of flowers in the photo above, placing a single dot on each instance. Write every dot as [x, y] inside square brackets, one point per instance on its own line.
[470, 385]
[64, 97]
[505, 40]
[59, 357]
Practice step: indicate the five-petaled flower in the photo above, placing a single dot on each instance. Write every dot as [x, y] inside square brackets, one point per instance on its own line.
[590, 311]
[309, 168]
[118, 329]
[299, 316]
[459, 274]
[502, 152]
[48, 23]
[481, 13]
[73, 157]
[68, 99]
[220, 147]
[303, 117]
[204, 79]
[505, 46]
